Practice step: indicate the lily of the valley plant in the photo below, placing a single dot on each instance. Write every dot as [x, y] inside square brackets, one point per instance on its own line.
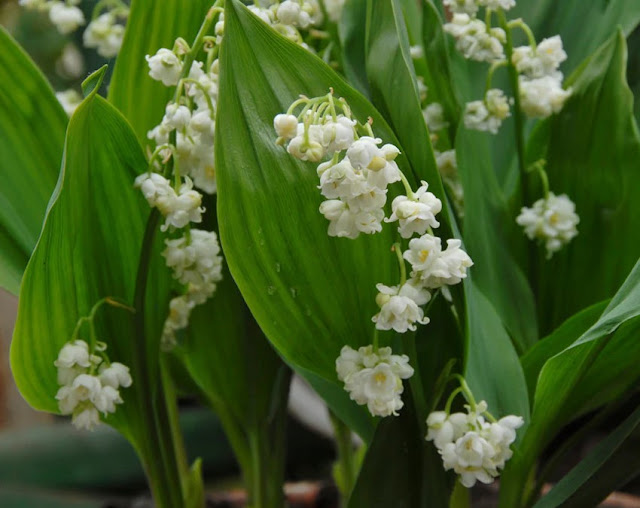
[425, 208]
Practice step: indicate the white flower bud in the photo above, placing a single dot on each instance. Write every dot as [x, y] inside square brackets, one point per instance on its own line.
[286, 126]
[165, 66]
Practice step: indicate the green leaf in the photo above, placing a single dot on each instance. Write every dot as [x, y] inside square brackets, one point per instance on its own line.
[151, 26]
[352, 33]
[394, 91]
[601, 176]
[89, 250]
[438, 77]
[583, 26]
[397, 472]
[598, 366]
[311, 294]
[581, 486]
[32, 125]
[492, 368]
[94, 81]
[559, 340]
[490, 233]
[235, 369]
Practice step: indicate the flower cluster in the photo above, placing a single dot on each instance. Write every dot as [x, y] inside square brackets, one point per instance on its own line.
[89, 383]
[196, 262]
[475, 40]
[488, 114]
[540, 81]
[374, 378]
[291, 18]
[551, 220]
[356, 184]
[474, 448]
[179, 208]
[190, 117]
[186, 135]
[105, 31]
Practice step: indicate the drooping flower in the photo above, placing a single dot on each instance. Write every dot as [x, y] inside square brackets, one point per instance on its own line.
[541, 97]
[432, 266]
[471, 446]
[374, 378]
[416, 215]
[165, 66]
[400, 307]
[553, 221]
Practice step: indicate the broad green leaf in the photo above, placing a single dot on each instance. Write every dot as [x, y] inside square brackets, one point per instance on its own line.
[602, 177]
[412, 13]
[397, 472]
[151, 26]
[236, 371]
[559, 340]
[584, 484]
[89, 249]
[311, 294]
[352, 33]
[32, 125]
[597, 367]
[492, 368]
[439, 77]
[394, 91]
[490, 234]
[582, 25]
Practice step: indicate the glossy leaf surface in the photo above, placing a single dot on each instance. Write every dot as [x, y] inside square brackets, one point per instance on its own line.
[311, 294]
[96, 220]
[151, 26]
[598, 366]
[602, 177]
[32, 125]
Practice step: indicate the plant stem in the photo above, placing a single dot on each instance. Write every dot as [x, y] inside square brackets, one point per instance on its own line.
[517, 113]
[163, 480]
[346, 458]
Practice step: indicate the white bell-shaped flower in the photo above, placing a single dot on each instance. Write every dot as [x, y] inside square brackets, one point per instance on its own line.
[165, 66]
[399, 309]
[552, 221]
[416, 215]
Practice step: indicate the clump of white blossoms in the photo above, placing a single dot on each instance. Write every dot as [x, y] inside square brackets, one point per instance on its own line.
[356, 184]
[540, 92]
[106, 31]
[540, 81]
[474, 444]
[488, 114]
[65, 15]
[197, 264]
[355, 181]
[178, 207]
[551, 220]
[181, 166]
[291, 18]
[374, 377]
[90, 384]
[475, 40]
